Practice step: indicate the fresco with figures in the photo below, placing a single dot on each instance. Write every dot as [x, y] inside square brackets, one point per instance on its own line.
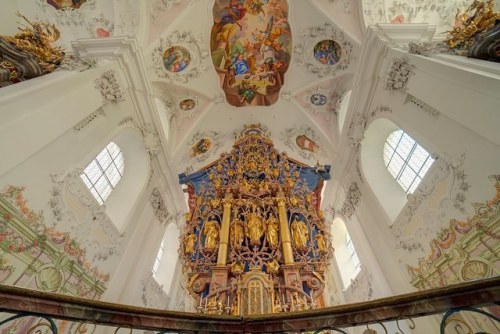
[66, 4]
[250, 47]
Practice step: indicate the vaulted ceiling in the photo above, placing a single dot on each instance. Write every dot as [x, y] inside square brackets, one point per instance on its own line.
[193, 106]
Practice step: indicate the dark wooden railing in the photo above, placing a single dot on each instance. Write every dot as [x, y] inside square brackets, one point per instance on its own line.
[436, 301]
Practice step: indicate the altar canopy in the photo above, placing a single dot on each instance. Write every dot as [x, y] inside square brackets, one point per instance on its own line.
[255, 240]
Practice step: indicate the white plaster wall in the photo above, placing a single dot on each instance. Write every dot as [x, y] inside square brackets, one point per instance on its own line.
[468, 102]
[38, 139]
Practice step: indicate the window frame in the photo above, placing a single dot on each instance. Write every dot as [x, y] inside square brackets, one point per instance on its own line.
[117, 161]
[394, 149]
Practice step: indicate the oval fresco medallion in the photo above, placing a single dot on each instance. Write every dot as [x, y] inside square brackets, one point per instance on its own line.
[306, 143]
[202, 146]
[66, 4]
[318, 99]
[176, 58]
[327, 52]
[250, 46]
[187, 104]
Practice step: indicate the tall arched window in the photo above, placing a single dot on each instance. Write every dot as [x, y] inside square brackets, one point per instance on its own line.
[345, 254]
[165, 264]
[104, 172]
[407, 161]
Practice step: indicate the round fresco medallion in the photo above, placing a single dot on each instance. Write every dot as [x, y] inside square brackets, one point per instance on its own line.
[318, 99]
[327, 52]
[187, 104]
[176, 59]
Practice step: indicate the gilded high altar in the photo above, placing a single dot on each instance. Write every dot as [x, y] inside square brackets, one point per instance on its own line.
[255, 240]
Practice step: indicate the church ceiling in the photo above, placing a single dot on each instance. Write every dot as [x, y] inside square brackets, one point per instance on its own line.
[217, 65]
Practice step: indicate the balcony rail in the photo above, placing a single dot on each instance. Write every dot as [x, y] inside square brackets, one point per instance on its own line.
[464, 296]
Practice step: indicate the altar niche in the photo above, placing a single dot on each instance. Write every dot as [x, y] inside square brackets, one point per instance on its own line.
[255, 241]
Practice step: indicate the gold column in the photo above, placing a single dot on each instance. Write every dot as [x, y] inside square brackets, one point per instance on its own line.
[284, 231]
[224, 231]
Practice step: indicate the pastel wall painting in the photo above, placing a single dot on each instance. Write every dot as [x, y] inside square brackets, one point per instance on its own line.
[66, 4]
[202, 146]
[250, 46]
[176, 58]
[327, 52]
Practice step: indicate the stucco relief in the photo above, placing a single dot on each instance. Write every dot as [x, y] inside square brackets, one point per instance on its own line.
[336, 101]
[422, 105]
[153, 295]
[72, 16]
[374, 11]
[441, 13]
[400, 71]
[360, 289]
[92, 227]
[127, 17]
[357, 128]
[89, 119]
[198, 57]
[159, 207]
[150, 136]
[309, 38]
[158, 6]
[444, 188]
[351, 201]
[109, 87]
[407, 11]
[73, 63]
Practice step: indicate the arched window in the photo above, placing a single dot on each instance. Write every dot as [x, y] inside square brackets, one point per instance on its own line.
[165, 264]
[407, 161]
[345, 254]
[104, 172]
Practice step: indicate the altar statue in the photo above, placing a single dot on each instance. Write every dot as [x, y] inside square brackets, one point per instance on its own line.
[321, 242]
[255, 226]
[190, 241]
[211, 232]
[272, 231]
[300, 233]
[237, 233]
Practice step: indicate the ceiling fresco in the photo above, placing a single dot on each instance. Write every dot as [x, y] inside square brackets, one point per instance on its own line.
[250, 46]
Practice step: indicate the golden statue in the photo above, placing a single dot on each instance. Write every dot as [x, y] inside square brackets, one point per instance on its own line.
[298, 303]
[321, 242]
[255, 226]
[237, 268]
[300, 233]
[277, 305]
[190, 241]
[272, 231]
[211, 232]
[479, 17]
[235, 310]
[36, 38]
[237, 232]
[272, 266]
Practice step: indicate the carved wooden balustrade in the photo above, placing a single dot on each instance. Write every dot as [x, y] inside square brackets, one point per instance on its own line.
[483, 293]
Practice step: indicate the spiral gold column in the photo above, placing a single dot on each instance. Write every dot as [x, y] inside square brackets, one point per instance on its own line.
[224, 231]
[284, 230]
